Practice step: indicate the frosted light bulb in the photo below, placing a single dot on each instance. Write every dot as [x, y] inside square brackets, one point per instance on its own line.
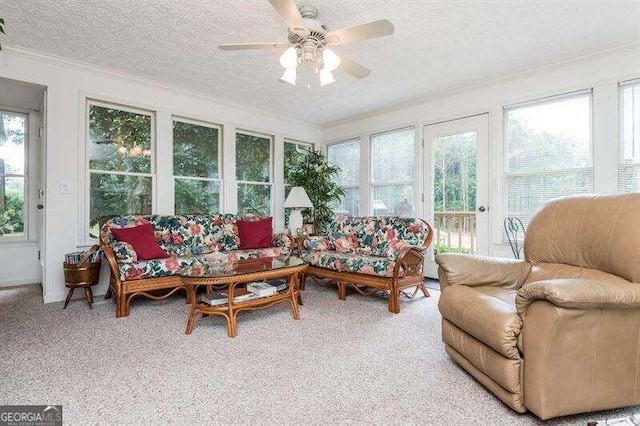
[330, 59]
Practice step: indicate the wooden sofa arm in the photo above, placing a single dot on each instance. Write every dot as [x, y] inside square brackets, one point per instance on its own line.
[409, 262]
[113, 263]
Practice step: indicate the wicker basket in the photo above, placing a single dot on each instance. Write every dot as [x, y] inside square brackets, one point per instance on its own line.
[78, 274]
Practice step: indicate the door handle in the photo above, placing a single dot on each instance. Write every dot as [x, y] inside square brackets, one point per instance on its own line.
[40, 206]
[482, 209]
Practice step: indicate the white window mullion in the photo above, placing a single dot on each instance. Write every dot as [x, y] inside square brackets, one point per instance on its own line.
[163, 163]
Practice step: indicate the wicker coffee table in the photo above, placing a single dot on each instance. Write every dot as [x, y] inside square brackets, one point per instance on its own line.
[231, 277]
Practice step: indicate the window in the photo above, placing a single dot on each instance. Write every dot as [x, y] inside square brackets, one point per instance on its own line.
[392, 155]
[629, 170]
[196, 167]
[548, 152]
[253, 173]
[346, 155]
[121, 142]
[13, 174]
[295, 152]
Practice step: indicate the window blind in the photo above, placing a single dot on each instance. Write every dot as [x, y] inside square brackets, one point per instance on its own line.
[548, 152]
[346, 155]
[392, 157]
[629, 165]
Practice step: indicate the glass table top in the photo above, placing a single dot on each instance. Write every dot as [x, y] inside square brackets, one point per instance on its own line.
[218, 268]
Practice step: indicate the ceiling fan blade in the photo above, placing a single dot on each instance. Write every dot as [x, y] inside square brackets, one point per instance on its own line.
[247, 46]
[355, 69]
[288, 11]
[373, 29]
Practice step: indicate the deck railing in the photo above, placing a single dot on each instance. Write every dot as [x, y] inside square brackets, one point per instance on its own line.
[456, 230]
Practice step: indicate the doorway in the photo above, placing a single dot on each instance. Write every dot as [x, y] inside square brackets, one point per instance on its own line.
[21, 178]
[456, 182]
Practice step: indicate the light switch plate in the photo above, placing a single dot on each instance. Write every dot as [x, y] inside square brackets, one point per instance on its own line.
[65, 187]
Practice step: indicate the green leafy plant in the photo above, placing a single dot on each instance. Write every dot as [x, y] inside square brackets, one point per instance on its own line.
[2, 28]
[443, 248]
[316, 176]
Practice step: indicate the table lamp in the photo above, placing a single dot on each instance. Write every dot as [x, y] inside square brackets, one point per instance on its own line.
[296, 201]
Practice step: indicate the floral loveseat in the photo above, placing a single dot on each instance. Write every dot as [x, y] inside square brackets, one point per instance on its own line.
[372, 254]
[188, 240]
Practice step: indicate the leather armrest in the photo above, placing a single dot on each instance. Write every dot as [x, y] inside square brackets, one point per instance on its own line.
[580, 294]
[471, 270]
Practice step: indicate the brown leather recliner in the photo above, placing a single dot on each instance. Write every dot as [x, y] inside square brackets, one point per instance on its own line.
[557, 333]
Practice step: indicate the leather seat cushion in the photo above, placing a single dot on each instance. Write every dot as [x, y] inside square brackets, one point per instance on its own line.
[486, 313]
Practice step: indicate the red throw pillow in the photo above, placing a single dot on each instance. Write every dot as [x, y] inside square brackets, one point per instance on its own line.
[257, 234]
[142, 239]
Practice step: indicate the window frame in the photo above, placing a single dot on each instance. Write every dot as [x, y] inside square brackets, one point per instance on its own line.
[297, 143]
[270, 183]
[220, 180]
[7, 238]
[505, 147]
[357, 185]
[372, 185]
[89, 102]
[622, 166]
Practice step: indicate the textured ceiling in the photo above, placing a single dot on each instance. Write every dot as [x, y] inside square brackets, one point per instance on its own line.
[437, 45]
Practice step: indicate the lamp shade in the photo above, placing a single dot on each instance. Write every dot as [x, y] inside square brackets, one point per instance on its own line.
[298, 198]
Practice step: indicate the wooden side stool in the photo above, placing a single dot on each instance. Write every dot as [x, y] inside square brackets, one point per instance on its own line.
[83, 275]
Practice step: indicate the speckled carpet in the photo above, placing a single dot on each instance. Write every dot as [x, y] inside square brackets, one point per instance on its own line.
[343, 362]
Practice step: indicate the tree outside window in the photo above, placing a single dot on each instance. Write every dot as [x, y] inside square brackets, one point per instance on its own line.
[12, 173]
[196, 150]
[295, 152]
[254, 173]
[120, 163]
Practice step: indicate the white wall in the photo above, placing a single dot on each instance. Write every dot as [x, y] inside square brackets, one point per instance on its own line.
[602, 72]
[68, 86]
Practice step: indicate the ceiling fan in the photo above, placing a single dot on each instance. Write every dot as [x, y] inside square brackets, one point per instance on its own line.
[308, 41]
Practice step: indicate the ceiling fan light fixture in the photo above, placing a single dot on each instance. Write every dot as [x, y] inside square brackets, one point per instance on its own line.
[330, 59]
[326, 77]
[289, 76]
[289, 59]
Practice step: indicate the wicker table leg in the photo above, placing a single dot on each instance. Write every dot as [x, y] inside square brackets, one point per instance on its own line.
[69, 294]
[88, 294]
[192, 319]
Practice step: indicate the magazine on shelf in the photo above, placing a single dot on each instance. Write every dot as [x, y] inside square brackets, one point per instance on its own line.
[279, 283]
[261, 289]
[215, 298]
[245, 297]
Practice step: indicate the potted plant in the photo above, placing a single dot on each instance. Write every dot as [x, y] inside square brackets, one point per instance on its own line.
[1, 28]
[316, 176]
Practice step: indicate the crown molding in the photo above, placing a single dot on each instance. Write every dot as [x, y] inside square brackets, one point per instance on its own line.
[483, 83]
[84, 66]
[474, 85]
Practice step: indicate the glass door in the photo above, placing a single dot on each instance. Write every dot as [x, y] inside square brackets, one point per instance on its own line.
[456, 187]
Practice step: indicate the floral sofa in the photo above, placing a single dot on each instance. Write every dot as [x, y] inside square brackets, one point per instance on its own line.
[189, 240]
[372, 254]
